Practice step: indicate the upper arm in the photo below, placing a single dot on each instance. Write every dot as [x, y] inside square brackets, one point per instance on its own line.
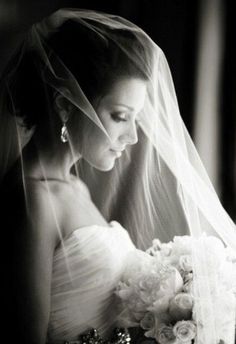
[35, 242]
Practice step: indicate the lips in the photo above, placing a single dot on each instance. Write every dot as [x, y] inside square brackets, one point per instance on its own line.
[117, 152]
[117, 149]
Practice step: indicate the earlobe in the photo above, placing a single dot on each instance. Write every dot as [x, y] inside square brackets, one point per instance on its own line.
[62, 105]
[63, 108]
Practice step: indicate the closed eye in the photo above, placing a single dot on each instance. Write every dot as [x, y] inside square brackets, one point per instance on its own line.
[119, 116]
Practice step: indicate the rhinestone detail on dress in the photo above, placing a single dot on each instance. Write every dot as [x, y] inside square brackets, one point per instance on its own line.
[119, 336]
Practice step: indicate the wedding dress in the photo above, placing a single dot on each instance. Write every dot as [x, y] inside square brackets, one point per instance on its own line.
[87, 267]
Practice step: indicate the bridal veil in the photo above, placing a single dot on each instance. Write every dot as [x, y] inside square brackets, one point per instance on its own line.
[159, 187]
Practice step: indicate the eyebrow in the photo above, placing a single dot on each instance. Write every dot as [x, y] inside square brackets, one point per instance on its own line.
[126, 106]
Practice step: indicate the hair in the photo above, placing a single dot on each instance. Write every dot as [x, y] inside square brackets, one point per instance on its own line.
[95, 61]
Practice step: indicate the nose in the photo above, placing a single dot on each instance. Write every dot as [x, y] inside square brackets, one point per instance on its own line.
[130, 137]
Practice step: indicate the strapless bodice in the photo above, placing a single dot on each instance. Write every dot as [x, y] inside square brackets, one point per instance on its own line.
[86, 269]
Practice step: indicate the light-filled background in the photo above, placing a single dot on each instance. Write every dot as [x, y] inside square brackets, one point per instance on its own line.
[199, 40]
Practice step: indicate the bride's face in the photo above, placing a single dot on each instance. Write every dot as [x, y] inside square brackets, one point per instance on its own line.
[118, 112]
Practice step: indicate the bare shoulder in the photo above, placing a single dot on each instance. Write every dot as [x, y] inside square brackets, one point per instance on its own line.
[42, 211]
[62, 206]
[39, 196]
[81, 186]
[59, 205]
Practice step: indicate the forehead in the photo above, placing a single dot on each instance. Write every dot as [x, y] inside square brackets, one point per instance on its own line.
[130, 92]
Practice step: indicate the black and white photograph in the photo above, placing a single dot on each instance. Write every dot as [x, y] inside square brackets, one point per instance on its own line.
[118, 171]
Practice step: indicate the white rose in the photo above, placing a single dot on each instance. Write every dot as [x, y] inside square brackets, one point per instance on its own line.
[138, 262]
[135, 304]
[147, 288]
[149, 323]
[185, 331]
[154, 250]
[154, 253]
[154, 286]
[166, 249]
[156, 243]
[161, 305]
[165, 335]
[182, 245]
[185, 263]
[181, 307]
[173, 283]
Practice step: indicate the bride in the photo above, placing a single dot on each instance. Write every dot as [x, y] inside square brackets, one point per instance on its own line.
[92, 143]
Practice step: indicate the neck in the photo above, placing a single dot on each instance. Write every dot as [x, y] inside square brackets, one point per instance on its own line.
[48, 162]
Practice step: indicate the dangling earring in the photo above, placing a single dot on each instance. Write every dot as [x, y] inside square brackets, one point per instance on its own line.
[64, 133]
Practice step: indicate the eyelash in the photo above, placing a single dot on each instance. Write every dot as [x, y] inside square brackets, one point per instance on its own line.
[117, 117]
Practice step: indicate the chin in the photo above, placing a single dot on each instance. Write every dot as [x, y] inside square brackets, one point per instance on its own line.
[105, 166]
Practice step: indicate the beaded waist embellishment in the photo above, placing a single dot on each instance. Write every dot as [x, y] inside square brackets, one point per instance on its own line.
[119, 336]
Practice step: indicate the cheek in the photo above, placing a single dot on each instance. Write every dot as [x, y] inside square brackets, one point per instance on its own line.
[112, 128]
[82, 133]
[97, 152]
[95, 143]
[89, 140]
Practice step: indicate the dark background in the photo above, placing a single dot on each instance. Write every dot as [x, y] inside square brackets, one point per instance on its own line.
[174, 26]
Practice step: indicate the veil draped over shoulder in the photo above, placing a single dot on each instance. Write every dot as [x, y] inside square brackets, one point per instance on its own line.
[159, 187]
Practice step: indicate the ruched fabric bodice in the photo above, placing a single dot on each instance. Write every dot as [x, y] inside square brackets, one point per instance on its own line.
[86, 269]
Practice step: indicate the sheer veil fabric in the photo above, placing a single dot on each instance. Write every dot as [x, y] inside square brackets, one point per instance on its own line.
[159, 187]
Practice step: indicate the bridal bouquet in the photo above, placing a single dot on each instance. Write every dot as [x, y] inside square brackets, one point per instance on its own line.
[159, 295]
